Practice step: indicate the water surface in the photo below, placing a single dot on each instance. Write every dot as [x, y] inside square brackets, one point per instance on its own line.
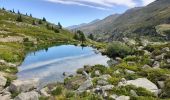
[49, 65]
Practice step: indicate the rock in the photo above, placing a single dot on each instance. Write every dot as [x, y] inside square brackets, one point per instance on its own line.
[123, 98]
[5, 91]
[166, 49]
[113, 96]
[133, 93]
[161, 84]
[11, 65]
[146, 67]
[129, 71]
[23, 85]
[140, 48]
[147, 52]
[5, 97]
[86, 75]
[130, 63]
[43, 92]
[98, 90]
[3, 81]
[102, 82]
[144, 83]
[107, 87]
[118, 59]
[156, 64]
[97, 73]
[28, 96]
[84, 86]
[160, 57]
[105, 77]
[117, 71]
[168, 61]
[2, 62]
[123, 80]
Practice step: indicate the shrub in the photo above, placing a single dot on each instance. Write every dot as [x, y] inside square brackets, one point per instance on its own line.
[57, 91]
[69, 94]
[118, 49]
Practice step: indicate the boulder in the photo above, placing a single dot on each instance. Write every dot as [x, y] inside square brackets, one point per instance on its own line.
[166, 49]
[156, 64]
[161, 84]
[107, 87]
[113, 96]
[23, 85]
[3, 81]
[129, 71]
[118, 59]
[102, 82]
[33, 95]
[84, 86]
[133, 93]
[146, 52]
[43, 92]
[5, 97]
[123, 80]
[146, 67]
[160, 57]
[97, 73]
[144, 83]
[123, 98]
[105, 77]
[168, 61]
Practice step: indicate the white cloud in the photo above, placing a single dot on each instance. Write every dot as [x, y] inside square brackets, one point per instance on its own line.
[146, 2]
[98, 4]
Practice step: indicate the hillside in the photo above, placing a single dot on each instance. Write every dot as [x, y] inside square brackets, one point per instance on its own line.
[134, 22]
[20, 37]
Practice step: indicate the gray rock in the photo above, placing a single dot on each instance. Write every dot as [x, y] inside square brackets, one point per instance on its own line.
[23, 86]
[113, 96]
[144, 83]
[129, 71]
[133, 93]
[147, 52]
[5, 97]
[123, 98]
[105, 77]
[43, 92]
[3, 81]
[97, 73]
[117, 71]
[140, 48]
[146, 67]
[84, 86]
[160, 57]
[118, 59]
[86, 75]
[168, 61]
[28, 96]
[123, 80]
[102, 82]
[130, 63]
[161, 84]
[166, 49]
[107, 87]
[156, 64]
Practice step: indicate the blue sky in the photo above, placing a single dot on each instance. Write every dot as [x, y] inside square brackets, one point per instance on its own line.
[72, 12]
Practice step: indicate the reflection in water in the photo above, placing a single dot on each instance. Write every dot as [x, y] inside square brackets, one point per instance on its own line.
[49, 65]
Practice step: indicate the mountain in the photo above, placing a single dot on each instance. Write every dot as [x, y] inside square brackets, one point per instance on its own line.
[140, 21]
[94, 26]
[82, 25]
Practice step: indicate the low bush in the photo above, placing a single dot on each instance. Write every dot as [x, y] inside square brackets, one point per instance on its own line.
[57, 91]
[118, 49]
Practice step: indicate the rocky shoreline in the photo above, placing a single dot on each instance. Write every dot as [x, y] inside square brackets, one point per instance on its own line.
[144, 75]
